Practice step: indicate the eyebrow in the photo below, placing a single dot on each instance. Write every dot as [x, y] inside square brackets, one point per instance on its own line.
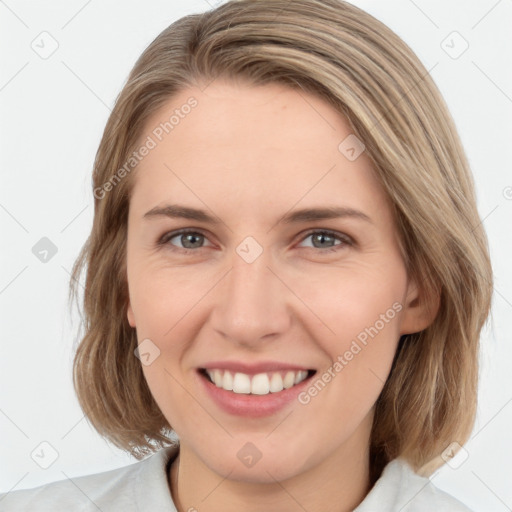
[303, 215]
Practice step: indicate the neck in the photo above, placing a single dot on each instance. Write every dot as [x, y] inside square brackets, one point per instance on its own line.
[338, 484]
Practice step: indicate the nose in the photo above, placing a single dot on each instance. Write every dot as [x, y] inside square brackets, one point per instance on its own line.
[252, 303]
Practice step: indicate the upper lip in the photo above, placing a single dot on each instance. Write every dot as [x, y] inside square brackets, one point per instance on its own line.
[253, 368]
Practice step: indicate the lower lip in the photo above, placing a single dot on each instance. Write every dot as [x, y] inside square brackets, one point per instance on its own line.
[252, 406]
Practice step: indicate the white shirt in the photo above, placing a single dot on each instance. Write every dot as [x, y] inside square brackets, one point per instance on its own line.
[143, 486]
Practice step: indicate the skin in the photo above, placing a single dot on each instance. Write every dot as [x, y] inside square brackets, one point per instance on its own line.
[249, 155]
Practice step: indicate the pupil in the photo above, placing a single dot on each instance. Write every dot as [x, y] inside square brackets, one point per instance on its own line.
[187, 238]
[322, 237]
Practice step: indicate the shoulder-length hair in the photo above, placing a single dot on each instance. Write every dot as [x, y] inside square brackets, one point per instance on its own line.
[372, 78]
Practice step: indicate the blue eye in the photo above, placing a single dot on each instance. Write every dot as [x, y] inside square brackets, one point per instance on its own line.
[191, 241]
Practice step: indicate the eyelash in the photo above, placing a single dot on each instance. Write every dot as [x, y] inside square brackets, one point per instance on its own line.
[345, 239]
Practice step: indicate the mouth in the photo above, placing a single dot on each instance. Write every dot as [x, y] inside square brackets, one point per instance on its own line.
[253, 390]
[264, 383]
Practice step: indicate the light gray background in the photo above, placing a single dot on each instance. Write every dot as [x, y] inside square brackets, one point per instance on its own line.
[53, 111]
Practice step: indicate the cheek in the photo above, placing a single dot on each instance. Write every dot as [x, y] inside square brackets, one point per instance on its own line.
[355, 304]
[162, 298]
[165, 303]
[359, 332]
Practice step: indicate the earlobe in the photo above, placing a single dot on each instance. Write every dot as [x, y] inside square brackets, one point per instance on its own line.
[420, 309]
[130, 316]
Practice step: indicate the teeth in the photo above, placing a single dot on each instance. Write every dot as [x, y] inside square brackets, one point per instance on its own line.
[276, 383]
[259, 384]
[300, 376]
[241, 383]
[227, 381]
[217, 378]
[289, 380]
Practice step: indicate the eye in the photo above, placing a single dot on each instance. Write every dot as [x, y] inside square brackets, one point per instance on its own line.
[323, 239]
[189, 240]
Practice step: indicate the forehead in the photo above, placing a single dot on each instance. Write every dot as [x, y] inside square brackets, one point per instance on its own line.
[251, 146]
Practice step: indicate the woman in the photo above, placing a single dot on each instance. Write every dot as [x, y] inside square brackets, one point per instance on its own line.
[286, 271]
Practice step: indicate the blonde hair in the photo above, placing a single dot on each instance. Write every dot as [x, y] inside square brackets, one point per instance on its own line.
[370, 76]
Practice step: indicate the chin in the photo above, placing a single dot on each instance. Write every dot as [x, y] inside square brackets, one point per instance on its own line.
[248, 459]
[263, 472]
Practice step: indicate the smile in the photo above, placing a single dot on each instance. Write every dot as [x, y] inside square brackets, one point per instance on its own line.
[255, 389]
[259, 384]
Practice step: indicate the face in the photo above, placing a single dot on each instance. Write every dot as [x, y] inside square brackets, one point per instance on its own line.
[265, 280]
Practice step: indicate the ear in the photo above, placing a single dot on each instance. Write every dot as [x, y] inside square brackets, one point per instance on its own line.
[420, 308]
[130, 315]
